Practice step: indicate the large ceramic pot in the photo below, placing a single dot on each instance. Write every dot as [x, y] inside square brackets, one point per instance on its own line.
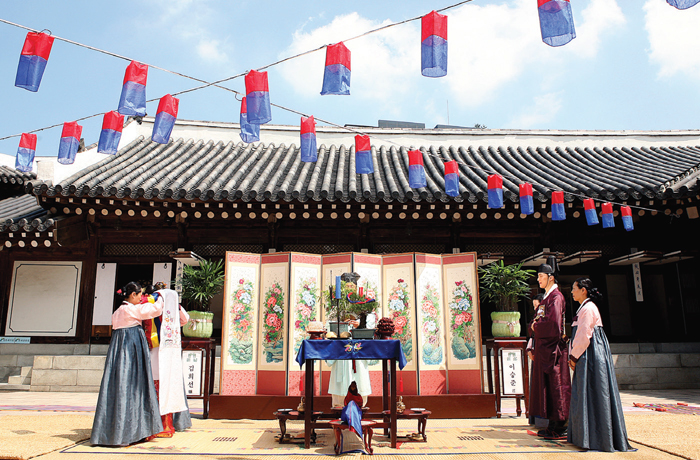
[505, 323]
[200, 325]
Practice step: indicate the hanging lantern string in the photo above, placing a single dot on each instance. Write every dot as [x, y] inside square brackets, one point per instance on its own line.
[206, 83]
[216, 84]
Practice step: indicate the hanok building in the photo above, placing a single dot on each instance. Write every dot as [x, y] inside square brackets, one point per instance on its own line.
[121, 218]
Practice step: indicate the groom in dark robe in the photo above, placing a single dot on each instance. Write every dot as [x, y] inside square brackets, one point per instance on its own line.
[550, 392]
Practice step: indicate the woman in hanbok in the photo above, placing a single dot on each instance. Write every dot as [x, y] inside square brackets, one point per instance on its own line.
[595, 419]
[127, 406]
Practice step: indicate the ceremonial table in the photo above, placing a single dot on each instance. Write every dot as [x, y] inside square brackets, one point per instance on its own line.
[389, 351]
[495, 345]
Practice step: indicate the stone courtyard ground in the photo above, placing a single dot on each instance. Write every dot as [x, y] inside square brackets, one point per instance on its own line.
[54, 426]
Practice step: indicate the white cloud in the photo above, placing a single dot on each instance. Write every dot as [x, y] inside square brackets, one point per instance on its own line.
[378, 61]
[599, 17]
[674, 38]
[189, 20]
[543, 110]
[210, 50]
[490, 47]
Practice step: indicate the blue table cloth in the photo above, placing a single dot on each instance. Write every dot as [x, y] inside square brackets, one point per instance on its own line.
[351, 349]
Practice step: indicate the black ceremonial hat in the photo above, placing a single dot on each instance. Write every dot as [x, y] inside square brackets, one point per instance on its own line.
[550, 268]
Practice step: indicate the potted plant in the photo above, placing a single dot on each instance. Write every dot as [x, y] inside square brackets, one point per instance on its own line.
[352, 302]
[199, 285]
[504, 285]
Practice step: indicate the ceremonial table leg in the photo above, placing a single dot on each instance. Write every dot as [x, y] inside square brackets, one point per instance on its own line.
[368, 439]
[309, 405]
[385, 391]
[393, 404]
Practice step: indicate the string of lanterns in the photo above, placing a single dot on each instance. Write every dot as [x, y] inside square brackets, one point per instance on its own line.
[557, 29]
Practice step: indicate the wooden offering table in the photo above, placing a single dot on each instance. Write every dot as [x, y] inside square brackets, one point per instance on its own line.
[389, 351]
[421, 416]
[282, 417]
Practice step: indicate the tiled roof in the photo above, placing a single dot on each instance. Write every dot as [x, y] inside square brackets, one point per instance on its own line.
[13, 177]
[189, 169]
[22, 213]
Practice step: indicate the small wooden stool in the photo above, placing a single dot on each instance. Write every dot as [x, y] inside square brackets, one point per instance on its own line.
[367, 432]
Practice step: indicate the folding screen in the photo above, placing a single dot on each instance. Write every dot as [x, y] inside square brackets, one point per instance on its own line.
[430, 325]
[399, 305]
[274, 320]
[462, 321]
[305, 306]
[240, 325]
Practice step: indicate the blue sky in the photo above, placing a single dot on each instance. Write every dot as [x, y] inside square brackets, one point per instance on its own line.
[634, 65]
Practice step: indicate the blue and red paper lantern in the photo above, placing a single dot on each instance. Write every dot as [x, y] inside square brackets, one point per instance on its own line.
[589, 210]
[25, 152]
[558, 212]
[607, 215]
[132, 101]
[249, 132]
[257, 94]
[556, 22]
[309, 152]
[32, 60]
[433, 48]
[363, 155]
[70, 141]
[527, 205]
[416, 169]
[336, 76]
[165, 119]
[111, 133]
[682, 4]
[626, 212]
[495, 184]
[452, 178]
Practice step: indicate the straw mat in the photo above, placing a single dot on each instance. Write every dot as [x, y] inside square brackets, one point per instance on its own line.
[26, 436]
[673, 433]
[257, 438]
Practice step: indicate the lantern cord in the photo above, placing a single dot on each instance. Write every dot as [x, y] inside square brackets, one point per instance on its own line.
[216, 83]
[237, 93]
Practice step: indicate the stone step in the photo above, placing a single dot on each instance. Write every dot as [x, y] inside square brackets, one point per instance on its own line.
[13, 387]
[20, 379]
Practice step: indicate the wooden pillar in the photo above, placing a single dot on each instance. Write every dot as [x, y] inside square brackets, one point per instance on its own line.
[86, 303]
[6, 269]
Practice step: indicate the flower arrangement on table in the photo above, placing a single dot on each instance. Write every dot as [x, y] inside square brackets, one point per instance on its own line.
[273, 320]
[241, 325]
[353, 301]
[462, 322]
[430, 315]
[398, 306]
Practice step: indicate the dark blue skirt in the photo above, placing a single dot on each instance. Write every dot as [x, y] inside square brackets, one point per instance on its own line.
[596, 420]
[127, 407]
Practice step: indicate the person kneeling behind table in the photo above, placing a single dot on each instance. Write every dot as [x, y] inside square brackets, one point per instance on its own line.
[352, 411]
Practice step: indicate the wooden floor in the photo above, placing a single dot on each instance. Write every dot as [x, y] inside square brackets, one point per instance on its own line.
[259, 407]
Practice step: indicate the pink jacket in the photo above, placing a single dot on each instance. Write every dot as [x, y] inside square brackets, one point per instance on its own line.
[130, 315]
[587, 318]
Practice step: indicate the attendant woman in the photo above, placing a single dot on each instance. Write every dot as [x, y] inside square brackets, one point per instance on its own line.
[127, 406]
[595, 418]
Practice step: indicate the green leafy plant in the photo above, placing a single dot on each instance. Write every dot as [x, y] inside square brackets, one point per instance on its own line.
[504, 284]
[347, 289]
[200, 284]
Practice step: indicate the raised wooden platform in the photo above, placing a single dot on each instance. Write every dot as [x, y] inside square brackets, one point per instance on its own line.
[260, 407]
